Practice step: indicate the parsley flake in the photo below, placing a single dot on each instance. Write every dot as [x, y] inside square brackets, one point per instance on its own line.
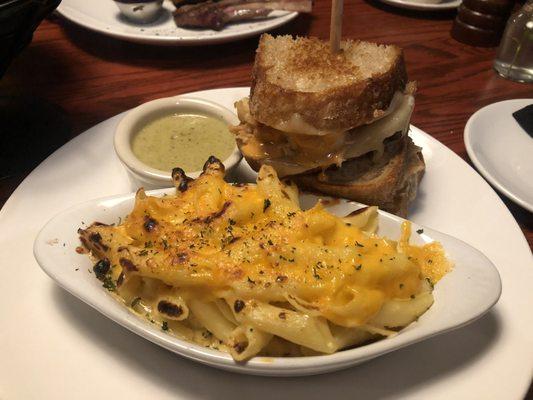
[109, 284]
[135, 301]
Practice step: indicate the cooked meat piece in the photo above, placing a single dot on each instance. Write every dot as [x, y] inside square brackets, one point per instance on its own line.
[217, 14]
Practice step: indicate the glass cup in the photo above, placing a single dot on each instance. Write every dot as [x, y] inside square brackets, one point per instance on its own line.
[515, 55]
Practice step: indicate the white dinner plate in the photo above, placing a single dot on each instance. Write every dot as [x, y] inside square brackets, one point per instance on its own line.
[502, 151]
[57, 347]
[463, 295]
[424, 5]
[103, 16]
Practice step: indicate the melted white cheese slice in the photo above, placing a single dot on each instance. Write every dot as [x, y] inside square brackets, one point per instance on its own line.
[295, 153]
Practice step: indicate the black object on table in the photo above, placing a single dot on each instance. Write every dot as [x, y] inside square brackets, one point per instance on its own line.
[524, 117]
[18, 20]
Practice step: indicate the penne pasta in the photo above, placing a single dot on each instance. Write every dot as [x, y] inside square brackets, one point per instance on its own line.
[246, 341]
[365, 219]
[244, 270]
[212, 319]
[296, 327]
[172, 307]
[225, 310]
[349, 337]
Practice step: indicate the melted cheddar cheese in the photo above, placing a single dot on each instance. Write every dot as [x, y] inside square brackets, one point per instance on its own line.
[254, 244]
[298, 147]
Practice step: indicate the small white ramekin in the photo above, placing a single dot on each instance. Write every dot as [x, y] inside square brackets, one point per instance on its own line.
[137, 118]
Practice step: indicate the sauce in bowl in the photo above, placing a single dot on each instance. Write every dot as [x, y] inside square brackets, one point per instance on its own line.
[182, 140]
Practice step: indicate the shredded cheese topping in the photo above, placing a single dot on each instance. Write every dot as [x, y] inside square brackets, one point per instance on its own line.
[244, 269]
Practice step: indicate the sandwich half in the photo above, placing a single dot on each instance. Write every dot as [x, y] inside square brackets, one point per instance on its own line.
[333, 123]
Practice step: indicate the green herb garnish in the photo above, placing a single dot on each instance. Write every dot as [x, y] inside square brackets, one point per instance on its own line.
[135, 301]
[109, 284]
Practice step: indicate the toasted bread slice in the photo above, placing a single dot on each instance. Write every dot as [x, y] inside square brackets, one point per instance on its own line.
[299, 86]
[391, 184]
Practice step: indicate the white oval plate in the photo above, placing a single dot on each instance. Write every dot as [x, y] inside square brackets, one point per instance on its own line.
[424, 5]
[463, 295]
[103, 16]
[95, 356]
[502, 151]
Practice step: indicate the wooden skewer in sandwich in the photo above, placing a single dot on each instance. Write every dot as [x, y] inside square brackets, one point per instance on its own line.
[335, 29]
[334, 122]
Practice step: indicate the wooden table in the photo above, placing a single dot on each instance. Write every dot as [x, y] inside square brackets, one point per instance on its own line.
[69, 79]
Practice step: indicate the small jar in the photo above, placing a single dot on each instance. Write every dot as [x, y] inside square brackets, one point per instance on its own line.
[515, 56]
[481, 22]
[140, 11]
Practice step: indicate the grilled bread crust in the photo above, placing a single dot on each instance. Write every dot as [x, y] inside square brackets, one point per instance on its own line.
[392, 186]
[300, 77]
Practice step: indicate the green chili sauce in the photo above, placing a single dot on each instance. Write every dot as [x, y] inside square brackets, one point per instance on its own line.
[182, 140]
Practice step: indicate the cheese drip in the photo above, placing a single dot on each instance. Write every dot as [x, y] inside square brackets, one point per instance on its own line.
[295, 153]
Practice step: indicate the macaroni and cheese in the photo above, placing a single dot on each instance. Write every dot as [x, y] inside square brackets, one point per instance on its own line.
[243, 269]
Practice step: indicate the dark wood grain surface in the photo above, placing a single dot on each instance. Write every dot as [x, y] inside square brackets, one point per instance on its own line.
[70, 79]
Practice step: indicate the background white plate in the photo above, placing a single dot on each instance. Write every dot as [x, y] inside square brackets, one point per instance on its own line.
[53, 346]
[426, 5]
[502, 151]
[103, 16]
[463, 295]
